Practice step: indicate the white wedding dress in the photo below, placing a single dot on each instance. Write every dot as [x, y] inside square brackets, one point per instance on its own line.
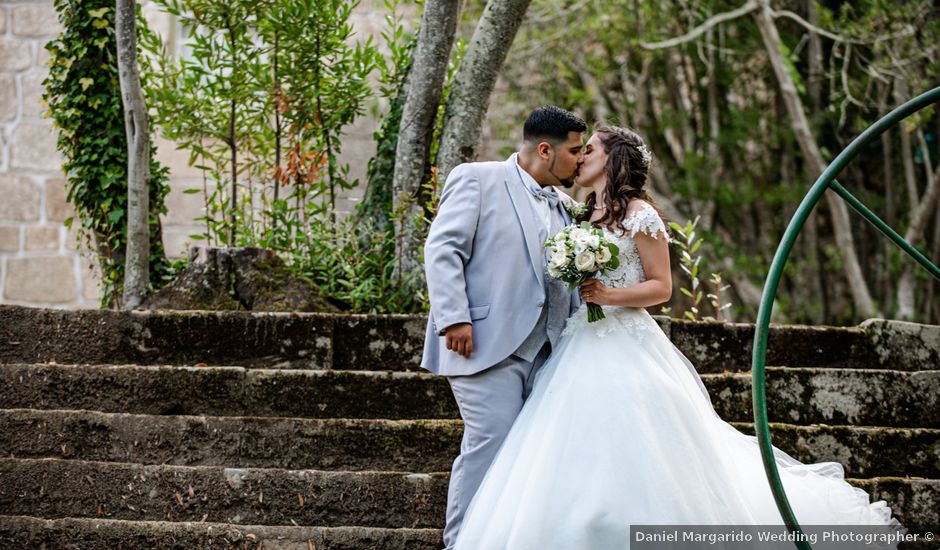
[619, 430]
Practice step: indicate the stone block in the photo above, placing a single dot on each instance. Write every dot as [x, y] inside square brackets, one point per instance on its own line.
[15, 55]
[91, 279]
[58, 208]
[36, 20]
[33, 148]
[42, 57]
[183, 208]
[9, 238]
[177, 240]
[177, 160]
[31, 84]
[44, 279]
[43, 237]
[8, 103]
[21, 199]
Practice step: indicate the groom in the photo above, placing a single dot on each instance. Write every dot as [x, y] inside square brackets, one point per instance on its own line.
[495, 313]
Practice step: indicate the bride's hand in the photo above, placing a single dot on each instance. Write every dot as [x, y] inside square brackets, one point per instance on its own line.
[595, 292]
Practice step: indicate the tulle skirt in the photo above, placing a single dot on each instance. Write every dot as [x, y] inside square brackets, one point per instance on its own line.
[619, 431]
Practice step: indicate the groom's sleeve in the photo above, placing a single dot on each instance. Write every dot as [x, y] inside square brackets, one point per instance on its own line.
[449, 246]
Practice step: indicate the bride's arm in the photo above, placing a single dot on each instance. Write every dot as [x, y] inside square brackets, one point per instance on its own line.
[656, 289]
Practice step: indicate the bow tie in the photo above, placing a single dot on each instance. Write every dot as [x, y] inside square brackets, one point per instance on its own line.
[544, 193]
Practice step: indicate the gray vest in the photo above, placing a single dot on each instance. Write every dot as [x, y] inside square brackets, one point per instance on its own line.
[554, 313]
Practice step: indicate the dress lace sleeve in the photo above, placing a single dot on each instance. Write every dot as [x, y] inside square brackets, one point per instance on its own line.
[645, 220]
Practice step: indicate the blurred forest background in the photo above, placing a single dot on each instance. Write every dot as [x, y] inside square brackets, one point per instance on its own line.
[743, 105]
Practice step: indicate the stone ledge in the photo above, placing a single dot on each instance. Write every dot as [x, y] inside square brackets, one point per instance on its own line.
[55, 488]
[395, 342]
[69, 488]
[29, 532]
[795, 396]
[399, 445]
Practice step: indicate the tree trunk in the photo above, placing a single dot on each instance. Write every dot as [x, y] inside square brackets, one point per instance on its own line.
[910, 179]
[468, 101]
[861, 297]
[817, 274]
[424, 86]
[137, 126]
[914, 233]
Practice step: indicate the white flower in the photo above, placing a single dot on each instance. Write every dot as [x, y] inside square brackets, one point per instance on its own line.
[593, 241]
[554, 272]
[577, 234]
[560, 247]
[558, 260]
[585, 261]
[575, 208]
[603, 255]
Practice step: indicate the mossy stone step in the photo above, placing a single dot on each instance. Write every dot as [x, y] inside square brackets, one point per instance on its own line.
[795, 395]
[87, 533]
[370, 444]
[52, 488]
[395, 342]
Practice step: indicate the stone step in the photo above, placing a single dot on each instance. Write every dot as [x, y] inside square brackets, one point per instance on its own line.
[30, 532]
[393, 445]
[53, 489]
[395, 342]
[874, 397]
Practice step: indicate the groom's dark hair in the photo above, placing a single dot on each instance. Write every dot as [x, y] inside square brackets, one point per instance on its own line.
[551, 123]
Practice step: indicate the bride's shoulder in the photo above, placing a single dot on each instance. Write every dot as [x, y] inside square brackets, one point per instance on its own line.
[643, 217]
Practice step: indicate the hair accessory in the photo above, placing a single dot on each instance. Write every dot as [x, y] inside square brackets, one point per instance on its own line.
[646, 154]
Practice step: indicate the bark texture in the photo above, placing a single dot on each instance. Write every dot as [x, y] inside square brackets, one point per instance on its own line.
[861, 297]
[473, 84]
[424, 88]
[914, 233]
[137, 125]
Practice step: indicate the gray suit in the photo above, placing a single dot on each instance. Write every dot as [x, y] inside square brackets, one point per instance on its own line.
[485, 264]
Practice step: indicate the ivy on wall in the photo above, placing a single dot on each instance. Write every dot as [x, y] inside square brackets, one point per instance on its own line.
[83, 95]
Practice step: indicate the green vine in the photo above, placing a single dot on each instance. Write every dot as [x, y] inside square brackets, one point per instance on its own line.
[83, 96]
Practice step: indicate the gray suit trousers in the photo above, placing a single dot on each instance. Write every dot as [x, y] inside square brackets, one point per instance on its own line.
[489, 403]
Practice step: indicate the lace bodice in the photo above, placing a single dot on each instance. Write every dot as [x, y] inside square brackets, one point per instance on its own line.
[630, 272]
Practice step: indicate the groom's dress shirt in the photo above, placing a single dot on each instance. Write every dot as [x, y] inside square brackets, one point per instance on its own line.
[539, 197]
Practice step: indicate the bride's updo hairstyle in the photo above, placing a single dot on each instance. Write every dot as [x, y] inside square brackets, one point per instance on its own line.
[626, 173]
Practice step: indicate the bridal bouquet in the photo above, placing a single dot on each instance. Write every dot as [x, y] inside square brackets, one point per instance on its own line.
[578, 253]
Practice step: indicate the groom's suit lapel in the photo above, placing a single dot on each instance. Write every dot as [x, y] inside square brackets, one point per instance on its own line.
[524, 213]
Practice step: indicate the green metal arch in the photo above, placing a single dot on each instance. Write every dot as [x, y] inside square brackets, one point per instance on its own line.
[826, 181]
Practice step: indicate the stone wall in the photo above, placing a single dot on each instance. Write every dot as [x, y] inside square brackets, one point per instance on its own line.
[40, 264]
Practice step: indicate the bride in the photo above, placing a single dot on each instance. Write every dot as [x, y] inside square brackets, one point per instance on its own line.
[619, 429]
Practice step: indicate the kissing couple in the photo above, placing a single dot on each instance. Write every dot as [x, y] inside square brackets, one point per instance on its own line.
[574, 431]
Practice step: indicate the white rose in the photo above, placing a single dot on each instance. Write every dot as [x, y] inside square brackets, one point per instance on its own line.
[558, 260]
[560, 247]
[554, 271]
[585, 261]
[603, 255]
[593, 241]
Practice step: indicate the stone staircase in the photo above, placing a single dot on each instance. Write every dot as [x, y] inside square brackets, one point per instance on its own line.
[301, 431]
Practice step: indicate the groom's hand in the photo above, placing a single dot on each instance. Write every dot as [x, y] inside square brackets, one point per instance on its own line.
[459, 338]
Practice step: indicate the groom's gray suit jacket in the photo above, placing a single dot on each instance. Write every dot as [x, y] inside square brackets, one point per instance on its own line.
[485, 265]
